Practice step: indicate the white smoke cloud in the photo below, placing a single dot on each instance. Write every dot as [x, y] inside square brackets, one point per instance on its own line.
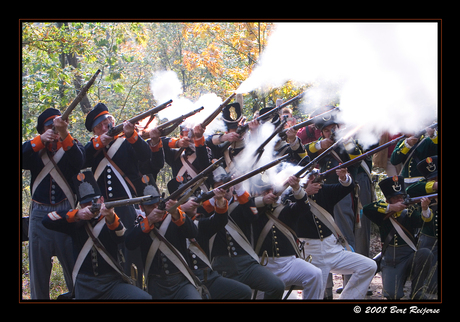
[165, 85]
[385, 73]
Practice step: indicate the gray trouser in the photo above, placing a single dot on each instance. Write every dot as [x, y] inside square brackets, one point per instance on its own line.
[400, 263]
[43, 245]
[246, 270]
[107, 287]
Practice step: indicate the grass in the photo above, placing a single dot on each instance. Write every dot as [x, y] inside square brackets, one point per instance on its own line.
[57, 281]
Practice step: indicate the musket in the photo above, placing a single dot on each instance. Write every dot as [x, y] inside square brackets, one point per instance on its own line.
[115, 130]
[307, 122]
[199, 177]
[320, 176]
[208, 120]
[170, 126]
[410, 201]
[208, 195]
[309, 167]
[96, 207]
[260, 150]
[242, 129]
[214, 114]
[80, 96]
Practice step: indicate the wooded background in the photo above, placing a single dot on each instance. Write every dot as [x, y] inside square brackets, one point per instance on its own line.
[59, 57]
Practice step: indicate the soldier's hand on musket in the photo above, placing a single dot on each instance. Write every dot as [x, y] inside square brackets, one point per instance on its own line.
[61, 127]
[155, 216]
[190, 208]
[326, 143]
[128, 128]
[174, 212]
[155, 135]
[396, 207]
[230, 137]
[412, 140]
[198, 131]
[184, 142]
[253, 125]
[219, 197]
[312, 188]
[425, 203]
[48, 136]
[108, 213]
[270, 198]
[294, 182]
[291, 135]
[342, 173]
[85, 214]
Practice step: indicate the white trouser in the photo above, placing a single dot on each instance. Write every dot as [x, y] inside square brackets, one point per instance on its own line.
[329, 256]
[298, 272]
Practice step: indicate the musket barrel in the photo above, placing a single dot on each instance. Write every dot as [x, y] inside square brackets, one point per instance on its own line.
[80, 96]
[119, 128]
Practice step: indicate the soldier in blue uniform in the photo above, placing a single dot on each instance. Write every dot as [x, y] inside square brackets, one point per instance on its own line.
[114, 162]
[166, 276]
[95, 275]
[50, 192]
[230, 249]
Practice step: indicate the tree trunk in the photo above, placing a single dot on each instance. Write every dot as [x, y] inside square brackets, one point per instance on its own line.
[71, 59]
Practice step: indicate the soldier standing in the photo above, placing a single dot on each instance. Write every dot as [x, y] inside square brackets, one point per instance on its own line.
[114, 162]
[52, 158]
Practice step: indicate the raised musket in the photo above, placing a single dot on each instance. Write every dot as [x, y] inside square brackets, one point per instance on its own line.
[208, 120]
[208, 195]
[189, 185]
[80, 96]
[115, 130]
[167, 127]
[242, 129]
[410, 201]
[321, 176]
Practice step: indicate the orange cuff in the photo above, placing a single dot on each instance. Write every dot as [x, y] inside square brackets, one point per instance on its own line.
[222, 210]
[97, 143]
[145, 225]
[244, 198]
[71, 216]
[172, 143]
[208, 207]
[133, 137]
[181, 220]
[115, 223]
[37, 143]
[67, 144]
[199, 142]
[157, 147]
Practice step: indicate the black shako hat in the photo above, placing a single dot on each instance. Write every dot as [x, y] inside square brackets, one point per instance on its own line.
[86, 186]
[147, 186]
[429, 167]
[325, 120]
[275, 118]
[46, 118]
[99, 113]
[232, 115]
[393, 186]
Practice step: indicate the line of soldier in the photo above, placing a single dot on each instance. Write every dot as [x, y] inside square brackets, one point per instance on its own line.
[238, 241]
